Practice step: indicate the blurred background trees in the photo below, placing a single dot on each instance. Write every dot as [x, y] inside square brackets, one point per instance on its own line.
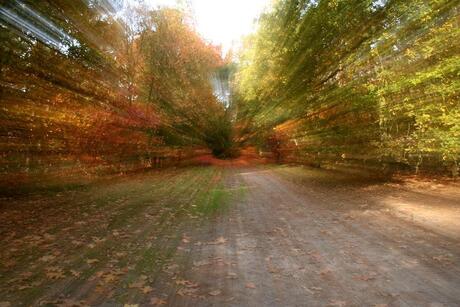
[373, 83]
[108, 86]
[90, 83]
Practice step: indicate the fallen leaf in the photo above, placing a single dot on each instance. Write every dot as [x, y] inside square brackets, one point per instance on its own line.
[364, 277]
[98, 240]
[250, 285]
[47, 258]
[186, 283]
[337, 303]
[75, 273]
[120, 254]
[215, 292]
[109, 278]
[147, 289]
[91, 261]
[137, 284]
[187, 291]
[201, 263]
[155, 301]
[26, 275]
[54, 273]
[68, 303]
[5, 304]
[24, 287]
[219, 240]
[443, 258]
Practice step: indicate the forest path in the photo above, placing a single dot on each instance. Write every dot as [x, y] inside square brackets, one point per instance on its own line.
[306, 237]
[234, 236]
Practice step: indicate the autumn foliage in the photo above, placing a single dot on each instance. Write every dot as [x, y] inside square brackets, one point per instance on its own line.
[361, 83]
[86, 87]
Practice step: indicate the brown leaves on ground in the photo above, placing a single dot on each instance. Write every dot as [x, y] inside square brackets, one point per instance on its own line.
[147, 289]
[201, 263]
[92, 261]
[337, 303]
[140, 284]
[219, 240]
[75, 273]
[250, 285]
[365, 277]
[47, 258]
[215, 292]
[189, 288]
[444, 259]
[155, 301]
[66, 303]
[185, 239]
[110, 276]
[54, 272]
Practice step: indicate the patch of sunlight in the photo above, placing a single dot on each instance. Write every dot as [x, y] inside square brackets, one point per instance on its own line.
[439, 217]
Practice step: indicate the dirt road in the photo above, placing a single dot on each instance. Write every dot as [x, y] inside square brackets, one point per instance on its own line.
[286, 236]
[302, 237]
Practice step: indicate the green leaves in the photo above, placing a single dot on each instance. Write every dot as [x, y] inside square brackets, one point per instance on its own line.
[379, 82]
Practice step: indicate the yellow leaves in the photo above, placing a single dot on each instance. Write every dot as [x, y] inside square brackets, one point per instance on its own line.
[410, 53]
[333, 4]
[54, 272]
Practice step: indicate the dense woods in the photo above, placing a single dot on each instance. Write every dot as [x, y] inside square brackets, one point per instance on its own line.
[90, 87]
[372, 83]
